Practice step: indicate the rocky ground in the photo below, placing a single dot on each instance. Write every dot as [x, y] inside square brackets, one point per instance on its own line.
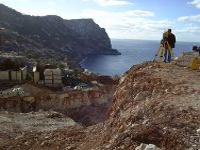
[154, 103]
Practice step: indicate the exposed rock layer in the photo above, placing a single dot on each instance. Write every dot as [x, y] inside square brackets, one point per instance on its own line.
[26, 101]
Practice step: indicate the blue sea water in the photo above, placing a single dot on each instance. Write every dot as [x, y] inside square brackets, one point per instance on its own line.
[132, 52]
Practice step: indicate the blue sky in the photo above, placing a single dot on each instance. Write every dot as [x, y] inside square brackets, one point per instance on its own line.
[124, 19]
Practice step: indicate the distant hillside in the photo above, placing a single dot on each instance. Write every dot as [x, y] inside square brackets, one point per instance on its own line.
[51, 36]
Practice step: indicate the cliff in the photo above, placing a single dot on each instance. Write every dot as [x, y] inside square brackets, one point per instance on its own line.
[52, 35]
[154, 105]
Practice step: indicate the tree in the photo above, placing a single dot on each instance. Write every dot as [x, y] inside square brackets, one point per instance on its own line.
[8, 64]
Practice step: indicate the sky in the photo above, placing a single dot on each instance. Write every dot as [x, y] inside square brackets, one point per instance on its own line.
[124, 19]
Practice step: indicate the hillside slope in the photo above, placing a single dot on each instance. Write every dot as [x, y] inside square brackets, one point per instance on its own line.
[154, 104]
[52, 36]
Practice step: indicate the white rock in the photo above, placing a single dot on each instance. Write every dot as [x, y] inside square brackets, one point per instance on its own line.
[147, 147]
[151, 147]
[141, 147]
[198, 132]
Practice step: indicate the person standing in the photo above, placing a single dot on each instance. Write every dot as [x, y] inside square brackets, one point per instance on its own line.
[171, 39]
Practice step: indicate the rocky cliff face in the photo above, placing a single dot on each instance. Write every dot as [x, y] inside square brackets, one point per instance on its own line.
[93, 37]
[22, 100]
[52, 35]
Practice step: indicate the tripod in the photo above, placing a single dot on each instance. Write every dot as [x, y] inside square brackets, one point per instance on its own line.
[164, 45]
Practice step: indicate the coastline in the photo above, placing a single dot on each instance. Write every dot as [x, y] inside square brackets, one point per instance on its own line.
[83, 65]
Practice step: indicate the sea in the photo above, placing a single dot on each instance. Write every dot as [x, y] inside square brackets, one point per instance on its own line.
[132, 52]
